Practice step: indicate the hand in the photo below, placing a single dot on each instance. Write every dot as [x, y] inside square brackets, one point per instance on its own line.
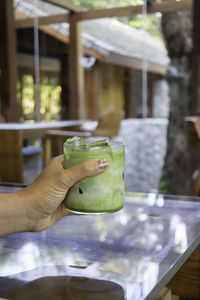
[43, 199]
[39, 206]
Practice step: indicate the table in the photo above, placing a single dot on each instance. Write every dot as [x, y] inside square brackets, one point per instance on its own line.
[11, 144]
[131, 254]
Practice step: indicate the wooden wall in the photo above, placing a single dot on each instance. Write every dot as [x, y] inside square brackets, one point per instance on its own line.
[111, 90]
[104, 89]
[92, 93]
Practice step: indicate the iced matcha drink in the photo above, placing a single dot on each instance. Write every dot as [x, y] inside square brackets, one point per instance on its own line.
[101, 193]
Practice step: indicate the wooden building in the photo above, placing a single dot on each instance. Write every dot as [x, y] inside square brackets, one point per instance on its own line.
[112, 56]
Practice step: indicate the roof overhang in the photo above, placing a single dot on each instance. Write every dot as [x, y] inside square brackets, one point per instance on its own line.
[112, 58]
[134, 63]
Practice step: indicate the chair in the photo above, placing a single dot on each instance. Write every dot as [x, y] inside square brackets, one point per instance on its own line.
[108, 125]
[193, 135]
[193, 130]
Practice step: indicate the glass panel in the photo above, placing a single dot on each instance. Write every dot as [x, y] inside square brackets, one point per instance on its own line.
[125, 65]
[135, 251]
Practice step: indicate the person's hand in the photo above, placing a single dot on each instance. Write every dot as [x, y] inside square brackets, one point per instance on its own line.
[42, 200]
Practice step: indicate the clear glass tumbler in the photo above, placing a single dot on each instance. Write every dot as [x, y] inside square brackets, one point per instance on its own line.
[101, 193]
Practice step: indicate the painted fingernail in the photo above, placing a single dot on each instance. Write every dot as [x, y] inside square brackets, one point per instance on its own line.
[102, 163]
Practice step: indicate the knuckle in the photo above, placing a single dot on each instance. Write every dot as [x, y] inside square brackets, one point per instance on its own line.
[51, 162]
[61, 178]
[66, 179]
[83, 169]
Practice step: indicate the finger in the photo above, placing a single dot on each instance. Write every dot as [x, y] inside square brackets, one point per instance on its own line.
[87, 168]
[54, 166]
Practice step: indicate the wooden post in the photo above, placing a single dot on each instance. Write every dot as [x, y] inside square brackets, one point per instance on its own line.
[65, 86]
[186, 282]
[47, 149]
[8, 62]
[195, 61]
[76, 75]
[165, 294]
[92, 92]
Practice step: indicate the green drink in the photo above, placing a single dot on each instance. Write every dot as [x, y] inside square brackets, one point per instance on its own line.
[101, 193]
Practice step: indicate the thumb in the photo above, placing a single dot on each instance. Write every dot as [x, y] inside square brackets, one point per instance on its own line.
[87, 168]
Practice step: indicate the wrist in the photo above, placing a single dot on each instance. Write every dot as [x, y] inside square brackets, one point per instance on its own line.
[13, 214]
[23, 201]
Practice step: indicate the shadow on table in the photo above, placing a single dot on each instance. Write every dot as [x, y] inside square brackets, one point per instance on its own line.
[60, 287]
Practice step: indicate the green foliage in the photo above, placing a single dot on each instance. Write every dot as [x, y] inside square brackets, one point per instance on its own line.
[95, 4]
[165, 180]
[50, 92]
[150, 23]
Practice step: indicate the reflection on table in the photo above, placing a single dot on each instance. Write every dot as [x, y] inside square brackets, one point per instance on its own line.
[136, 250]
[59, 287]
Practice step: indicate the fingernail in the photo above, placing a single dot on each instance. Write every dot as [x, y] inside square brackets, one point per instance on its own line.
[102, 163]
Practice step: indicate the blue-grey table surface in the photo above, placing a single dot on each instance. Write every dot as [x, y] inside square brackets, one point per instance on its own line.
[130, 254]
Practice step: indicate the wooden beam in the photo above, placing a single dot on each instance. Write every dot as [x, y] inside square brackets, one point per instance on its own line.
[76, 75]
[65, 39]
[8, 62]
[134, 63]
[161, 7]
[44, 20]
[57, 35]
[67, 5]
[19, 15]
[81, 15]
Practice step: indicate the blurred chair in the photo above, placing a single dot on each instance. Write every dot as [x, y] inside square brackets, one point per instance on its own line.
[193, 130]
[108, 126]
[109, 123]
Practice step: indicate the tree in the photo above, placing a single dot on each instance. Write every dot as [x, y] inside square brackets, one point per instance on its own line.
[177, 31]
